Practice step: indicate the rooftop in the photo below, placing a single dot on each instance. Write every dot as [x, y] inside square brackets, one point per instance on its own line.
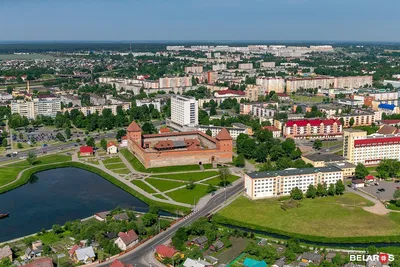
[292, 171]
[324, 157]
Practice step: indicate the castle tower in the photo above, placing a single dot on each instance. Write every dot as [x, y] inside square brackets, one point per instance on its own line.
[134, 133]
[224, 139]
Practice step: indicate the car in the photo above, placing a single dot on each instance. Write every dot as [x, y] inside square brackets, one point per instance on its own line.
[8, 155]
[15, 153]
[377, 192]
[397, 181]
[22, 157]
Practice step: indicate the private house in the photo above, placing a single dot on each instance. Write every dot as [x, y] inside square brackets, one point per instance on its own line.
[279, 263]
[112, 148]
[199, 241]
[42, 262]
[35, 250]
[5, 252]
[249, 262]
[72, 250]
[357, 183]
[118, 263]
[196, 263]
[309, 257]
[84, 255]
[101, 216]
[86, 151]
[124, 141]
[121, 217]
[126, 240]
[216, 246]
[163, 252]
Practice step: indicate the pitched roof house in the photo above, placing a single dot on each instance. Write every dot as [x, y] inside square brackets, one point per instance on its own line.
[165, 252]
[84, 255]
[126, 240]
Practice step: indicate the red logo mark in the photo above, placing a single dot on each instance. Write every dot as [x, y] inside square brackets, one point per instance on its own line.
[383, 258]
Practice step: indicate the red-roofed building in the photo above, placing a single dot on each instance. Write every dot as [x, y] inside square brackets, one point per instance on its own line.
[118, 263]
[164, 130]
[112, 148]
[313, 128]
[86, 151]
[72, 250]
[276, 133]
[40, 262]
[126, 240]
[370, 177]
[124, 141]
[166, 252]
[391, 122]
[229, 93]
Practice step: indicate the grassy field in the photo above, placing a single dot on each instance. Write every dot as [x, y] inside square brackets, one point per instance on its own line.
[144, 186]
[342, 215]
[372, 170]
[112, 160]
[115, 166]
[188, 196]
[307, 99]
[9, 174]
[159, 196]
[45, 160]
[164, 185]
[122, 171]
[137, 165]
[216, 181]
[190, 176]
[331, 143]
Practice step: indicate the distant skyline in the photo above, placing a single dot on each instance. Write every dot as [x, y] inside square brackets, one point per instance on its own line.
[205, 20]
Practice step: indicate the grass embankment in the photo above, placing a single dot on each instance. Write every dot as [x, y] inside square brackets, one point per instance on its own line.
[144, 186]
[112, 160]
[339, 219]
[307, 99]
[28, 173]
[217, 181]
[188, 196]
[188, 176]
[164, 185]
[137, 165]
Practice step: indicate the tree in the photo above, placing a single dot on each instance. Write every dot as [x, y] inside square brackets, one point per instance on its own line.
[224, 175]
[103, 143]
[288, 146]
[211, 188]
[190, 185]
[361, 171]
[120, 133]
[311, 191]
[31, 157]
[6, 262]
[321, 190]
[149, 219]
[339, 187]
[67, 132]
[296, 194]
[57, 229]
[239, 161]
[317, 144]
[388, 168]
[208, 132]
[60, 137]
[90, 142]
[341, 121]
[4, 142]
[396, 194]
[179, 239]
[331, 190]
[351, 122]
[372, 250]
[19, 146]
[148, 128]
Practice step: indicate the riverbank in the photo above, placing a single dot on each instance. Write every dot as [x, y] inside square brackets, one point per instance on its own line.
[26, 174]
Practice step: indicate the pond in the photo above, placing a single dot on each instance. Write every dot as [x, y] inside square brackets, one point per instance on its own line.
[57, 196]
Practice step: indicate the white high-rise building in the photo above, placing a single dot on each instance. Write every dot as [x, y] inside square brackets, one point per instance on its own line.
[184, 112]
[39, 106]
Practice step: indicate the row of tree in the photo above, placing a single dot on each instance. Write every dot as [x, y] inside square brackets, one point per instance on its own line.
[322, 190]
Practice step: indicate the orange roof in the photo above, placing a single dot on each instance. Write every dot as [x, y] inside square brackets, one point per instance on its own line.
[223, 135]
[124, 137]
[111, 143]
[134, 127]
[165, 130]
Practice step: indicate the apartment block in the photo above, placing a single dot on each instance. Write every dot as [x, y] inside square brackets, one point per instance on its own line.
[353, 81]
[259, 185]
[361, 118]
[194, 69]
[31, 109]
[270, 65]
[246, 66]
[184, 112]
[358, 147]
[211, 76]
[167, 82]
[219, 67]
[269, 84]
[93, 109]
[234, 131]
[313, 128]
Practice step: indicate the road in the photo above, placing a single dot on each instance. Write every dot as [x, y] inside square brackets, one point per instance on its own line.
[53, 148]
[140, 256]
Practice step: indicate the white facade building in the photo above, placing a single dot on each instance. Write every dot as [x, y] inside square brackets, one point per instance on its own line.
[155, 103]
[259, 185]
[184, 111]
[38, 106]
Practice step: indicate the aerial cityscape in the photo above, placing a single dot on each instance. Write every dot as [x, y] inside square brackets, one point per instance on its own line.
[155, 133]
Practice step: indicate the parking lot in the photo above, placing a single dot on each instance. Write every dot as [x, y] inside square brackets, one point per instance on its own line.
[387, 194]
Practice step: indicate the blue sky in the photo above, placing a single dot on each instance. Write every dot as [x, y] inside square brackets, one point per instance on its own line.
[340, 20]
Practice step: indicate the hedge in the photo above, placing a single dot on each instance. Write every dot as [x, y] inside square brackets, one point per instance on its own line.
[29, 172]
[306, 238]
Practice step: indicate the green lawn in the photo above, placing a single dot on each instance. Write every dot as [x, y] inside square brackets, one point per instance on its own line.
[137, 165]
[307, 99]
[159, 196]
[115, 166]
[112, 160]
[339, 216]
[189, 176]
[216, 181]
[331, 143]
[122, 171]
[9, 174]
[164, 185]
[372, 170]
[45, 160]
[188, 196]
[144, 186]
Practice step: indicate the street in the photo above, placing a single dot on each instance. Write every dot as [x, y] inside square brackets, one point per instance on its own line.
[139, 256]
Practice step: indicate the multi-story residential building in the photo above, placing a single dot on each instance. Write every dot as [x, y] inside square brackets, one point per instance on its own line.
[260, 109]
[353, 81]
[194, 69]
[246, 66]
[252, 92]
[74, 100]
[276, 133]
[313, 128]
[219, 67]
[269, 84]
[97, 100]
[360, 117]
[151, 84]
[156, 103]
[184, 112]
[270, 65]
[210, 76]
[358, 147]
[38, 106]
[323, 160]
[259, 185]
[93, 109]
[167, 82]
[238, 128]
[389, 109]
